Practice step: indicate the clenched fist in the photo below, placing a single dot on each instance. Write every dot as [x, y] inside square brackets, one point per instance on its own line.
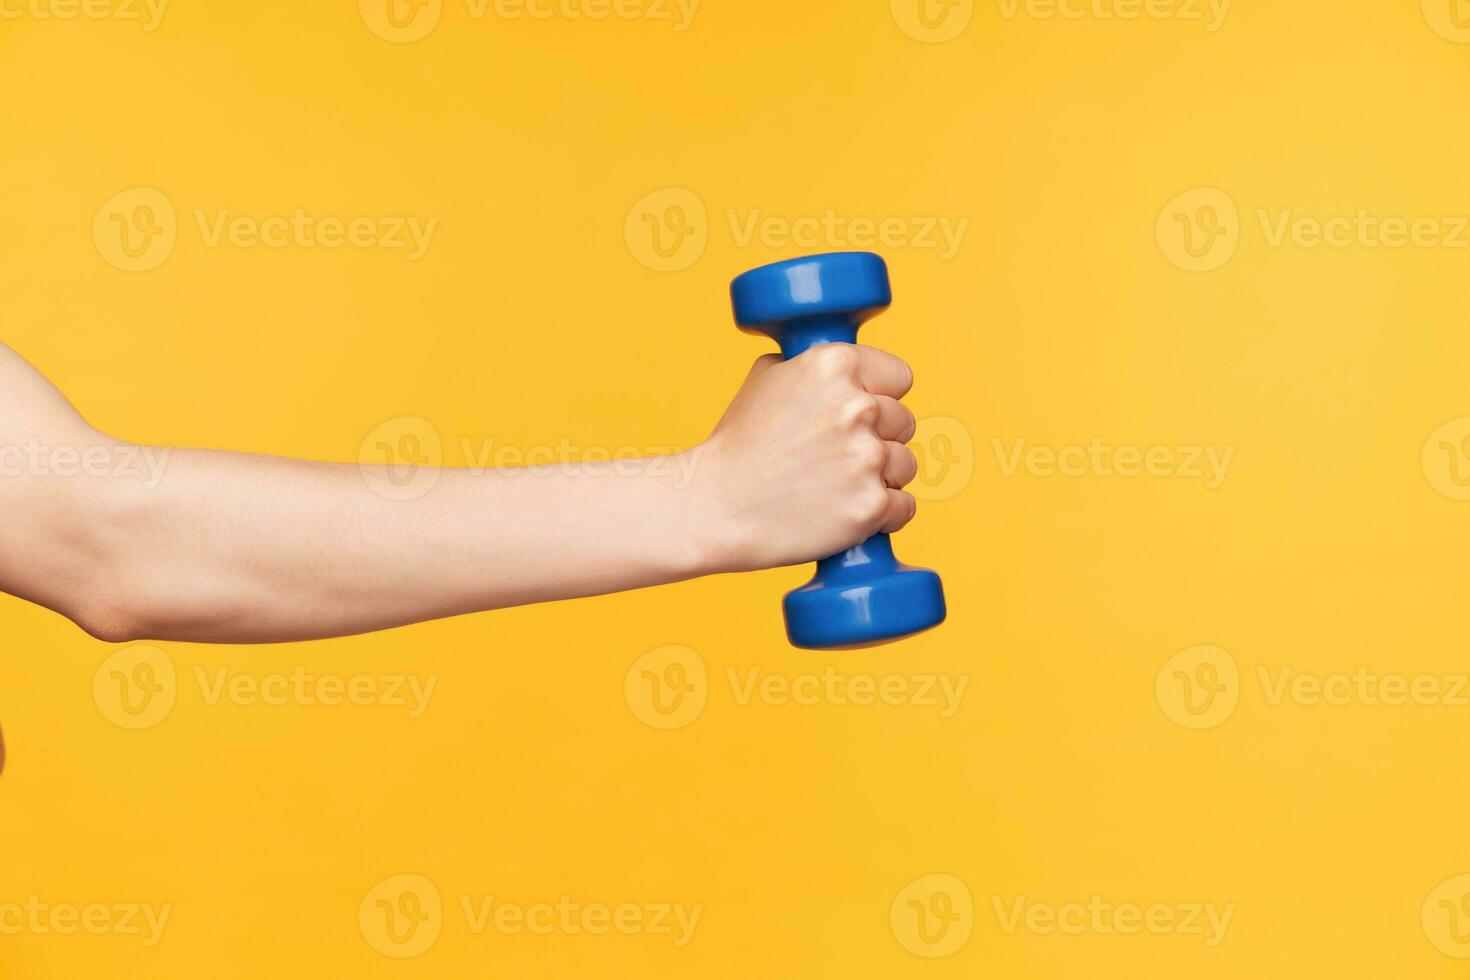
[810, 460]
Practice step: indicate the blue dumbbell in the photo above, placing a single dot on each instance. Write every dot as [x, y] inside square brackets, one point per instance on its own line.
[864, 596]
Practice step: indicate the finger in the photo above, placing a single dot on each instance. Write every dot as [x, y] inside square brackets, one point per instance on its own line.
[882, 373]
[901, 508]
[895, 422]
[901, 466]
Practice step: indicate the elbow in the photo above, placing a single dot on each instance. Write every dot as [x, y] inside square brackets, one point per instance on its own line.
[114, 618]
[87, 549]
[154, 599]
[116, 592]
[112, 626]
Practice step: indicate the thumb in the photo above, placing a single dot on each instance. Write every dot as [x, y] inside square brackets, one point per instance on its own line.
[762, 364]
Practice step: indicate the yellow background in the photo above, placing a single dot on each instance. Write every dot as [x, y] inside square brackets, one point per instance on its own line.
[533, 319]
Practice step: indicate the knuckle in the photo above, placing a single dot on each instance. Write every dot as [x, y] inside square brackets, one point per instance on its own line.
[861, 409]
[837, 359]
[871, 505]
[870, 456]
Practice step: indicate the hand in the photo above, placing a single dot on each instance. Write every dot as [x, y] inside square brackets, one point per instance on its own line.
[810, 460]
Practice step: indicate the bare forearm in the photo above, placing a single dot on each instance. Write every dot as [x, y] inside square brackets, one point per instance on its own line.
[226, 547]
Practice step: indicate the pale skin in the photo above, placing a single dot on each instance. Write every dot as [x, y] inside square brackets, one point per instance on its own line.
[221, 547]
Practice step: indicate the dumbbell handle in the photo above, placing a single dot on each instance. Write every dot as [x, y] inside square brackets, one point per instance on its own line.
[814, 331]
[797, 339]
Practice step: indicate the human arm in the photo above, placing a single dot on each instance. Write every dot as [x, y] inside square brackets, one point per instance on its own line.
[223, 547]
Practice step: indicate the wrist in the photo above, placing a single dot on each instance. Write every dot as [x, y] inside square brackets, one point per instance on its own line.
[718, 540]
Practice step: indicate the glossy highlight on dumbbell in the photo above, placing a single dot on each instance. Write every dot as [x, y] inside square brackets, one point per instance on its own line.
[864, 596]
